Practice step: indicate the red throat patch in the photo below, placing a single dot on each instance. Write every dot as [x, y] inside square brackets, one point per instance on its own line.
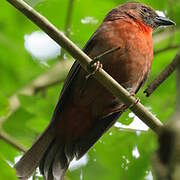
[144, 27]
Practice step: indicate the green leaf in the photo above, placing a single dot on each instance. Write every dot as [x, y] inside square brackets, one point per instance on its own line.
[4, 105]
[6, 171]
[108, 158]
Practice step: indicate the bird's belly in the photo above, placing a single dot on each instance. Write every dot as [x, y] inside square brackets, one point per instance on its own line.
[128, 72]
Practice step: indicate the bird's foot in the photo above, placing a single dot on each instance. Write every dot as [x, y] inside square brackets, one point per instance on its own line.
[93, 67]
[134, 103]
[132, 94]
[96, 65]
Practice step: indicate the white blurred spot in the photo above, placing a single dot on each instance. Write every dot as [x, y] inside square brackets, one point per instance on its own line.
[160, 13]
[10, 163]
[137, 124]
[124, 157]
[118, 125]
[131, 115]
[81, 175]
[17, 158]
[41, 46]
[149, 176]
[89, 20]
[138, 133]
[110, 133]
[80, 163]
[124, 165]
[135, 152]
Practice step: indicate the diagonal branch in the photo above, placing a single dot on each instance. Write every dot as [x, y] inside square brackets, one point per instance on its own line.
[53, 76]
[67, 28]
[167, 48]
[105, 79]
[5, 137]
[163, 75]
[166, 159]
[69, 17]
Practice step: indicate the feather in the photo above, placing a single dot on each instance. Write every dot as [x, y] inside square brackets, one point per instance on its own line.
[29, 162]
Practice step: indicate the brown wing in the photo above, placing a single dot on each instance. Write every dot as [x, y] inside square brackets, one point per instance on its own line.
[71, 76]
[76, 67]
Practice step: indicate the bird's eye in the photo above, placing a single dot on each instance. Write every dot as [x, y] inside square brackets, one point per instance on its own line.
[144, 10]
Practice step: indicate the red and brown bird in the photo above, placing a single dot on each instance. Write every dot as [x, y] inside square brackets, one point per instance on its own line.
[85, 109]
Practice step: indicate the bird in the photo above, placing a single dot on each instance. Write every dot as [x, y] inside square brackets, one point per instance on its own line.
[85, 109]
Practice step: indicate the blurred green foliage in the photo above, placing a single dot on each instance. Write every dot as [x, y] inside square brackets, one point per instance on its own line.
[111, 158]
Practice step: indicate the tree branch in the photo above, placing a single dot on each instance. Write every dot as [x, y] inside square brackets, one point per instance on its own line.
[166, 161]
[53, 76]
[67, 29]
[5, 137]
[56, 74]
[69, 17]
[178, 88]
[163, 75]
[105, 79]
[167, 48]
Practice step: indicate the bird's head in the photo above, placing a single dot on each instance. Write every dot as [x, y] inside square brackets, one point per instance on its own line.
[141, 13]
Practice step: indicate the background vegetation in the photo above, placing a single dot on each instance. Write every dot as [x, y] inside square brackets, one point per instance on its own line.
[26, 109]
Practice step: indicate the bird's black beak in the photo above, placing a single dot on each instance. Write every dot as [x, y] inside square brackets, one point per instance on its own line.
[163, 21]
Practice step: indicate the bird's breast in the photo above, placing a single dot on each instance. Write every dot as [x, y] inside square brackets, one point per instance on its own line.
[132, 63]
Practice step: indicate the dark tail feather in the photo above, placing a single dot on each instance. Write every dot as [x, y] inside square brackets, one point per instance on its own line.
[48, 154]
[60, 166]
[29, 162]
[54, 162]
[98, 129]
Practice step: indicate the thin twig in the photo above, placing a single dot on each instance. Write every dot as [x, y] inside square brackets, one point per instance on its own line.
[163, 75]
[5, 137]
[97, 58]
[171, 16]
[56, 74]
[178, 89]
[67, 29]
[167, 48]
[104, 78]
[69, 18]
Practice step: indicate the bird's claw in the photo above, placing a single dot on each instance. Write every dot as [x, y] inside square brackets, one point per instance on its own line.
[93, 67]
[134, 103]
[132, 94]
